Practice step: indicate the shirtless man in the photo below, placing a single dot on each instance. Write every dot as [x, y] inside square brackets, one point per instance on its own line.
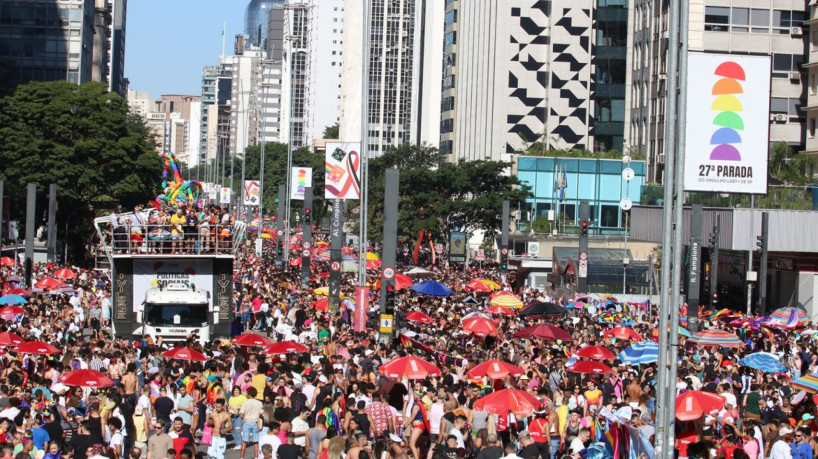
[220, 420]
[129, 381]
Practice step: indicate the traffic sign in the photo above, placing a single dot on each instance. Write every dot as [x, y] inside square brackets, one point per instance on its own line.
[481, 255]
[281, 232]
[504, 251]
[335, 266]
[583, 255]
[439, 248]
[305, 253]
[583, 268]
[306, 244]
[386, 323]
[388, 273]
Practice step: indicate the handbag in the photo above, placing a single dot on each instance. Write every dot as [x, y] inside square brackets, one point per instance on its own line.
[207, 435]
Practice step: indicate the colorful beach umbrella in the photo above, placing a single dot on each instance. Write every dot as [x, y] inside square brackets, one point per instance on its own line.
[507, 301]
[518, 402]
[640, 353]
[788, 317]
[409, 367]
[808, 383]
[714, 337]
[763, 361]
[495, 369]
[12, 299]
[477, 287]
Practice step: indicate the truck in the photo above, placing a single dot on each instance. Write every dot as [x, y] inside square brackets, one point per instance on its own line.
[174, 313]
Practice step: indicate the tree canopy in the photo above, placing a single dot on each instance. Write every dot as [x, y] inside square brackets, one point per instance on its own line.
[791, 168]
[441, 196]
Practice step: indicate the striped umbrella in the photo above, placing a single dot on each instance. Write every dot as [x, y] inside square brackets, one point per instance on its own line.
[788, 317]
[639, 353]
[716, 338]
[763, 361]
[808, 383]
[507, 301]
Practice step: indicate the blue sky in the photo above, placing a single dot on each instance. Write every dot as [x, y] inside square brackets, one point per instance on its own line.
[169, 41]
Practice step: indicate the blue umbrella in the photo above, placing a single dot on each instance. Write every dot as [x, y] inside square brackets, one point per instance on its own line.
[763, 361]
[432, 288]
[12, 299]
[639, 353]
[683, 331]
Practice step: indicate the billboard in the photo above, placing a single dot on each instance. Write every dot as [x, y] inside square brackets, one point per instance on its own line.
[301, 180]
[457, 246]
[171, 274]
[342, 179]
[251, 195]
[224, 195]
[727, 132]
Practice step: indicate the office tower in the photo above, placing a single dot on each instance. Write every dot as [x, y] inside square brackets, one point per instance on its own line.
[529, 74]
[811, 66]
[772, 27]
[73, 40]
[312, 57]
[255, 20]
[405, 65]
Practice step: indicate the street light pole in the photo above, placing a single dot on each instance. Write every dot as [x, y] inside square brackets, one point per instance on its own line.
[364, 208]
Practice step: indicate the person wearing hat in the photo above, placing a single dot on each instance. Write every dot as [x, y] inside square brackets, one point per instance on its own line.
[801, 447]
[781, 447]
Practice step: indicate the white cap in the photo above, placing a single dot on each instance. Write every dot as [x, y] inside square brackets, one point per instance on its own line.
[784, 431]
[322, 378]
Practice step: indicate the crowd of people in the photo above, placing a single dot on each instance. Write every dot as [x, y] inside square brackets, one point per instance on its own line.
[335, 400]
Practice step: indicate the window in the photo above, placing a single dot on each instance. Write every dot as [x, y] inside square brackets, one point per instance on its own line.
[716, 18]
[760, 20]
[785, 63]
[740, 17]
[795, 108]
[609, 217]
[450, 39]
[811, 128]
[778, 105]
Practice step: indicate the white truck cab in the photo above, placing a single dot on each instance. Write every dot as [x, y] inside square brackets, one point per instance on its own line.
[174, 312]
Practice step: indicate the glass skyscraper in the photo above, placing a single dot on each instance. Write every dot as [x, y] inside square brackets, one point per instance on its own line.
[255, 19]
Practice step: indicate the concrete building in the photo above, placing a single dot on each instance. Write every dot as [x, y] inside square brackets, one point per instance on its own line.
[528, 72]
[406, 45]
[173, 120]
[73, 40]
[313, 45]
[140, 103]
[215, 128]
[768, 27]
[810, 29]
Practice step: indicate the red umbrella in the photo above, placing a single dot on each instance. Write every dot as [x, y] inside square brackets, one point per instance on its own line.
[420, 317]
[19, 291]
[409, 367]
[402, 281]
[480, 326]
[184, 353]
[373, 264]
[501, 310]
[626, 333]
[495, 369]
[86, 378]
[49, 283]
[324, 274]
[10, 339]
[65, 273]
[519, 402]
[595, 352]
[590, 366]
[251, 340]
[543, 331]
[500, 293]
[321, 305]
[694, 404]
[285, 347]
[11, 310]
[295, 261]
[36, 347]
[6, 261]
[476, 286]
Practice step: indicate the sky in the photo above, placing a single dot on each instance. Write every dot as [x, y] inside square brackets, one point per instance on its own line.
[169, 41]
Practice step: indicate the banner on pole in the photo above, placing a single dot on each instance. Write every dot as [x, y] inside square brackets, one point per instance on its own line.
[342, 179]
[728, 118]
[301, 179]
[361, 308]
[224, 195]
[457, 246]
[252, 193]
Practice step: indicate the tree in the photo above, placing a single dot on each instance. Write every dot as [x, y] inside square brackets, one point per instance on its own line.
[440, 196]
[791, 168]
[81, 138]
[331, 132]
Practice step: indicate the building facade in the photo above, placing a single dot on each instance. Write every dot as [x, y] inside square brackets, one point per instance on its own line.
[73, 40]
[255, 20]
[559, 184]
[810, 28]
[403, 96]
[527, 73]
[766, 27]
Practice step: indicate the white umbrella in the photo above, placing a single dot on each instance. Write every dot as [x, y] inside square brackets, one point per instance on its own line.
[419, 272]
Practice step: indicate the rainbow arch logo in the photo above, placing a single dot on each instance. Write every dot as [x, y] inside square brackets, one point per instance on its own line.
[301, 182]
[727, 122]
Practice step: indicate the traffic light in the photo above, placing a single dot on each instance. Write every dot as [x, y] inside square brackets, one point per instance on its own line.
[584, 228]
[503, 263]
[760, 243]
[307, 217]
[712, 239]
[389, 304]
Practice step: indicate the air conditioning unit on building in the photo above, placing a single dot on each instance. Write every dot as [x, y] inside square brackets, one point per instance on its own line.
[796, 31]
[533, 249]
[663, 76]
[781, 117]
[795, 76]
[660, 158]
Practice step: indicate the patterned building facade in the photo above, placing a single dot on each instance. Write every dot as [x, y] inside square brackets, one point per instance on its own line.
[528, 72]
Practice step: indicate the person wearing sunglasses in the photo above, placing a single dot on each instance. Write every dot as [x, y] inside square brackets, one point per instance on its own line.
[801, 447]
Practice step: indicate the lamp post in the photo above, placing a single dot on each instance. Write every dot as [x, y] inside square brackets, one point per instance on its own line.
[625, 204]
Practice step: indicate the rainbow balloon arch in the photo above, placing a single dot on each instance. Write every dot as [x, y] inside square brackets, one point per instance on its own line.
[177, 191]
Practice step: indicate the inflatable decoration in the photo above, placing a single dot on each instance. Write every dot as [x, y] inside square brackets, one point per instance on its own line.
[177, 191]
